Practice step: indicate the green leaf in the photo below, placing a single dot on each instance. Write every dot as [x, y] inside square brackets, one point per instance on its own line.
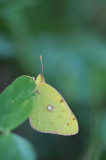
[13, 147]
[16, 103]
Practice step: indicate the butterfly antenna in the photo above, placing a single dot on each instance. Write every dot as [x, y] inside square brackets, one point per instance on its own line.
[42, 66]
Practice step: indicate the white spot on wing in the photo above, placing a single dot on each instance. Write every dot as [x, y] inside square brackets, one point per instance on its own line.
[50, 108]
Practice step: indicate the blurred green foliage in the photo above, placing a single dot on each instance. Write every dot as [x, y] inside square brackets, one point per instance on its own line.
[15, 147]
[71, 37]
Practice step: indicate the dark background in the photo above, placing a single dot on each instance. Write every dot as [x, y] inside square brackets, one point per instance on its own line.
[71, 37]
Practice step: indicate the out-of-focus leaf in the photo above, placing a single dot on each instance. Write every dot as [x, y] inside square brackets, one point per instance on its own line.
[103, 155]
[90, 45]
[92, 153]
[103, 130]
[16, 103]
[13, 147]
[6, 48]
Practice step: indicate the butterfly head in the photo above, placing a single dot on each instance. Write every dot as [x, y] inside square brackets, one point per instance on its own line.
[40, 79]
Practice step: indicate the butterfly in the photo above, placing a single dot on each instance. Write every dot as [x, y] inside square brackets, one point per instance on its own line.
[51, 113]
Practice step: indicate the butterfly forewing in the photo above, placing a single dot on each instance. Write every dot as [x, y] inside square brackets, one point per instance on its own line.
[51, 114]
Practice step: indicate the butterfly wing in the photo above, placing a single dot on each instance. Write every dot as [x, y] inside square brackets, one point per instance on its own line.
[51, 114]
[71, 128]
